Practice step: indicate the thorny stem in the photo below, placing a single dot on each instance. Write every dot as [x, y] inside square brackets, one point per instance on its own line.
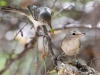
[50, 46]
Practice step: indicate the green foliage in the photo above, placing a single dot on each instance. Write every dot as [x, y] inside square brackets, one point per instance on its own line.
[6, 73]
[3, 3]
[3, 58]
[52, 71]
[52, 30]
[13, 55]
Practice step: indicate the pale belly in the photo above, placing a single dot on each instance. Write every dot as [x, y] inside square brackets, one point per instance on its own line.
[36, 23]
[71, 48]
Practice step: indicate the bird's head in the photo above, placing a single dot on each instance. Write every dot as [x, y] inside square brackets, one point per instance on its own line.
[77, 33]
[45, 17]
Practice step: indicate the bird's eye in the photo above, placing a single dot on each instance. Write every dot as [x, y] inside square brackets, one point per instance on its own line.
[73, 33]
[44, 21]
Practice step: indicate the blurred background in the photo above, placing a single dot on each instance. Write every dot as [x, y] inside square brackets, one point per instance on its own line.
[83, 15]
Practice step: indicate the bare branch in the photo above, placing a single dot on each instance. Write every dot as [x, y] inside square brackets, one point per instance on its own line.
[50, 46]
[27, 47]
[20, 31]
[75, 26]
[75, 68]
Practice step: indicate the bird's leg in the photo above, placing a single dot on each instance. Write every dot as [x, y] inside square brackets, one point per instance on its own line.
[59, 57]
[76, 57]
[40, 33]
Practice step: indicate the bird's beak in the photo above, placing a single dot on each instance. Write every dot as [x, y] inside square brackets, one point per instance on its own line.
[82, 34]
[50, 25]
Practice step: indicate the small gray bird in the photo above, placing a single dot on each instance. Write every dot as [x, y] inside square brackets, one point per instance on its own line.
[71, 43]
[37, 15]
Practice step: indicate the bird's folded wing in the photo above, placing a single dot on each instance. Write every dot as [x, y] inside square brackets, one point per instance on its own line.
[33, 11]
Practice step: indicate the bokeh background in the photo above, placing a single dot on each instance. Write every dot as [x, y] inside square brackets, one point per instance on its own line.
[83, 15]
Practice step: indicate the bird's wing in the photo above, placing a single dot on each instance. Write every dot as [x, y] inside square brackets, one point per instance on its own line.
[15, 9]
[33, 11]
[50, 11]
[66, 38]
[79, 43]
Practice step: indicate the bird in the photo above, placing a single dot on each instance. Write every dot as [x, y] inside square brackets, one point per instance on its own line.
[71, 43]
[37, 15]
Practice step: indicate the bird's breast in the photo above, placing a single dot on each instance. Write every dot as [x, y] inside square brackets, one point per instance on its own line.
[36, 23]
[71, 47]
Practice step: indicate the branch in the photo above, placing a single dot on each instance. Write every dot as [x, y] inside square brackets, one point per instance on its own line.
[75, 68]
[50, 46]
[75, 26]
[27, 47]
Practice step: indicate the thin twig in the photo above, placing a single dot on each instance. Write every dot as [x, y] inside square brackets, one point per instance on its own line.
[30, 66]
[93, 59]
[44, 56]
[20, 30]
[60, 10]
[53, 4]
[27, 47]
[13, 50]
[14, 17]
[68, 27]
[50, 46]
[37, 60]
[18, 67]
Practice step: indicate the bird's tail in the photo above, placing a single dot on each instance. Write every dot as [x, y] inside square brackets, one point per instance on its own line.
[33, 11]
[15, 9]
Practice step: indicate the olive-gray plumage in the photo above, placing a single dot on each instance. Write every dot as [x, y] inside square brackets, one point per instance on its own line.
[71, 43]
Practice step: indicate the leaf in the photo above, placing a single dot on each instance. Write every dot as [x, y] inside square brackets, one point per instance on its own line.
[13, 55]
[43, 55]
[3, 3]
[52, 30]
[3, 58]
[60, 72]
[52, 71]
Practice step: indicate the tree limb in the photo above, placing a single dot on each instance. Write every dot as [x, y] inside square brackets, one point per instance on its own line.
[27, 47]
[75, 68]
